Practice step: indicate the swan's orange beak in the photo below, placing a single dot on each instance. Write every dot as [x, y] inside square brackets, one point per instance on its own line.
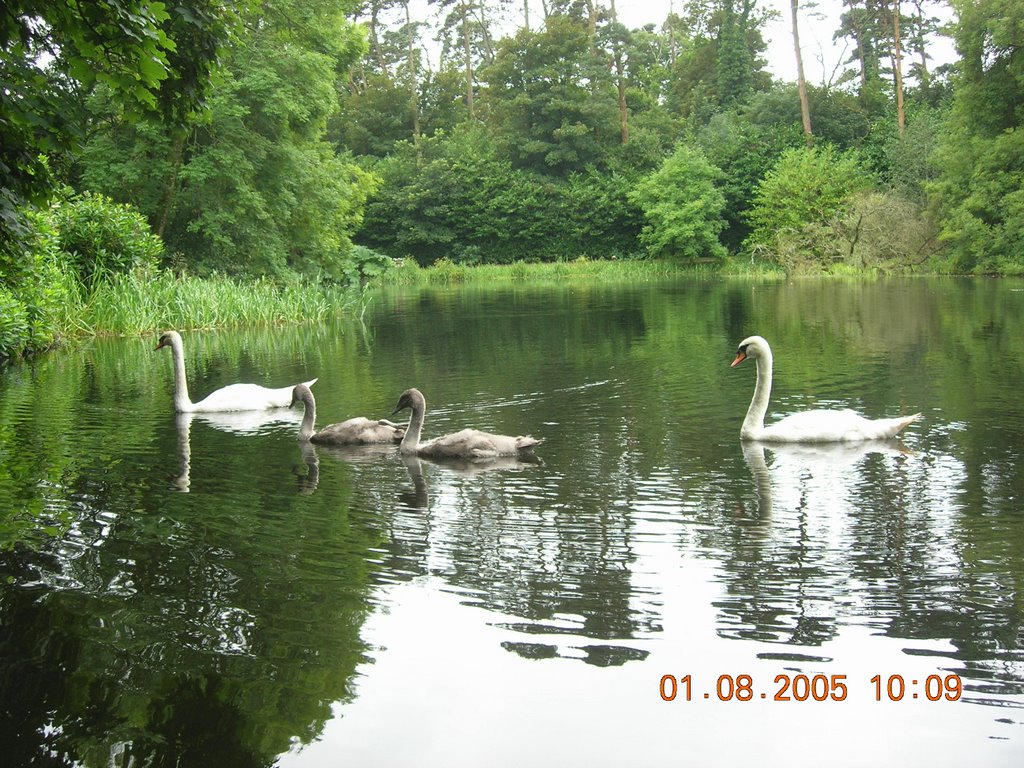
[740, 357]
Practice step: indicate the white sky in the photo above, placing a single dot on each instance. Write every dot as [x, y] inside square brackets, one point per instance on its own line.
[821, 55]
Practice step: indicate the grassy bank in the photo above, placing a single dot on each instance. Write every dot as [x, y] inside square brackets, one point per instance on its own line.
[146, 300]
[142, 301]
[137, 303]
[408, 272]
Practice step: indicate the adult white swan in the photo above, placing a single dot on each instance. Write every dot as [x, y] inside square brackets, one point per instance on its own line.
[467, 444]
[818, 426]
[354, 431]
[234, 397]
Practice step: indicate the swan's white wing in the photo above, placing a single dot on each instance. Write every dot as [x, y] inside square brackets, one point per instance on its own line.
[246, 397]
[826, 426]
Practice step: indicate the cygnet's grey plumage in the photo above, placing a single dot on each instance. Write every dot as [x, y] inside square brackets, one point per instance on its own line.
[355, 431]
[469, 443]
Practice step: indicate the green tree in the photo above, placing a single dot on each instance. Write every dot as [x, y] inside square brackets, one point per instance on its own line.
[683, 206]
[802, 193]
[743, 151]
[732, 61]
[863, 23]
[554, 105]
[839, 117]
[150, 57]
[461, 198]
[259, 189]
[979, 196]
[718, 64]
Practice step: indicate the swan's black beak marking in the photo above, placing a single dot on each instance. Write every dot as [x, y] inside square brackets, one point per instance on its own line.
[741, 355]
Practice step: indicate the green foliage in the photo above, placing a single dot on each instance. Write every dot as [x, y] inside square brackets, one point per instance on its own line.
[979, 195]
[141, 301]
[807, 187]
[14, 326]
[127, 161]
[257, 189]
[553, 101]
[150, 56]
[99, 237]
[718, 65]
[445, 271]
[743, 151]
[374, 115]
[365, 265]
[733, 59]
[867, 26]
[683, 206]
[980, 201]
[599, 217]
[455, 197]
[41, 291]
[905, 164]
[838, 117]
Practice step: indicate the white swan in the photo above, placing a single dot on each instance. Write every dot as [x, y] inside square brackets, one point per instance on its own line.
[468, 444]
[818, 426]
[355, 431]
[234, 397]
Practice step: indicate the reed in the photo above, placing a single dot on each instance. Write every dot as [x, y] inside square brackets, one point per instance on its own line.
[445, 271]
[139, 302]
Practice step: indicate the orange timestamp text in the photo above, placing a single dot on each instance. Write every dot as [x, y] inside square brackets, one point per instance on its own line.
[801, 687]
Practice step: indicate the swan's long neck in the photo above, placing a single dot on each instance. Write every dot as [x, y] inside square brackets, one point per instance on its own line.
[309, 417]
[753, 424]
[411, 441]
[182, 404]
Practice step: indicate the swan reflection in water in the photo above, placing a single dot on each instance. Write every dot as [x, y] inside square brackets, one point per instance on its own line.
[309, 481]
[247, 422]
[352, 454]
[825, 462]
[233, 422]
[458, 466]
[183, 480]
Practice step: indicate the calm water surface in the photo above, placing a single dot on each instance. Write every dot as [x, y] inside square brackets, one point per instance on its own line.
[201, 591]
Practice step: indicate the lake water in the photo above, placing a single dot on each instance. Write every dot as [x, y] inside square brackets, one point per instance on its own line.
[199, 591]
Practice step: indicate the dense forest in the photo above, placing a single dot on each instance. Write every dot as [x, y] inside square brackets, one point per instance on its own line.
[319, 139]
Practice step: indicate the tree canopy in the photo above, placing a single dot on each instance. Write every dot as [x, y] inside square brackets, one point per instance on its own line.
[151, 57]
[266, 138]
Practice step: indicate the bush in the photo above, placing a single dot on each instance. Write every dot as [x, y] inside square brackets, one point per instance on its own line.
[454, 197]
[806, 190]
[876, 231]
[101, 237]
[365, 265]
[14, 326]
[885, 232]
[683, 207]
[40, 294]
